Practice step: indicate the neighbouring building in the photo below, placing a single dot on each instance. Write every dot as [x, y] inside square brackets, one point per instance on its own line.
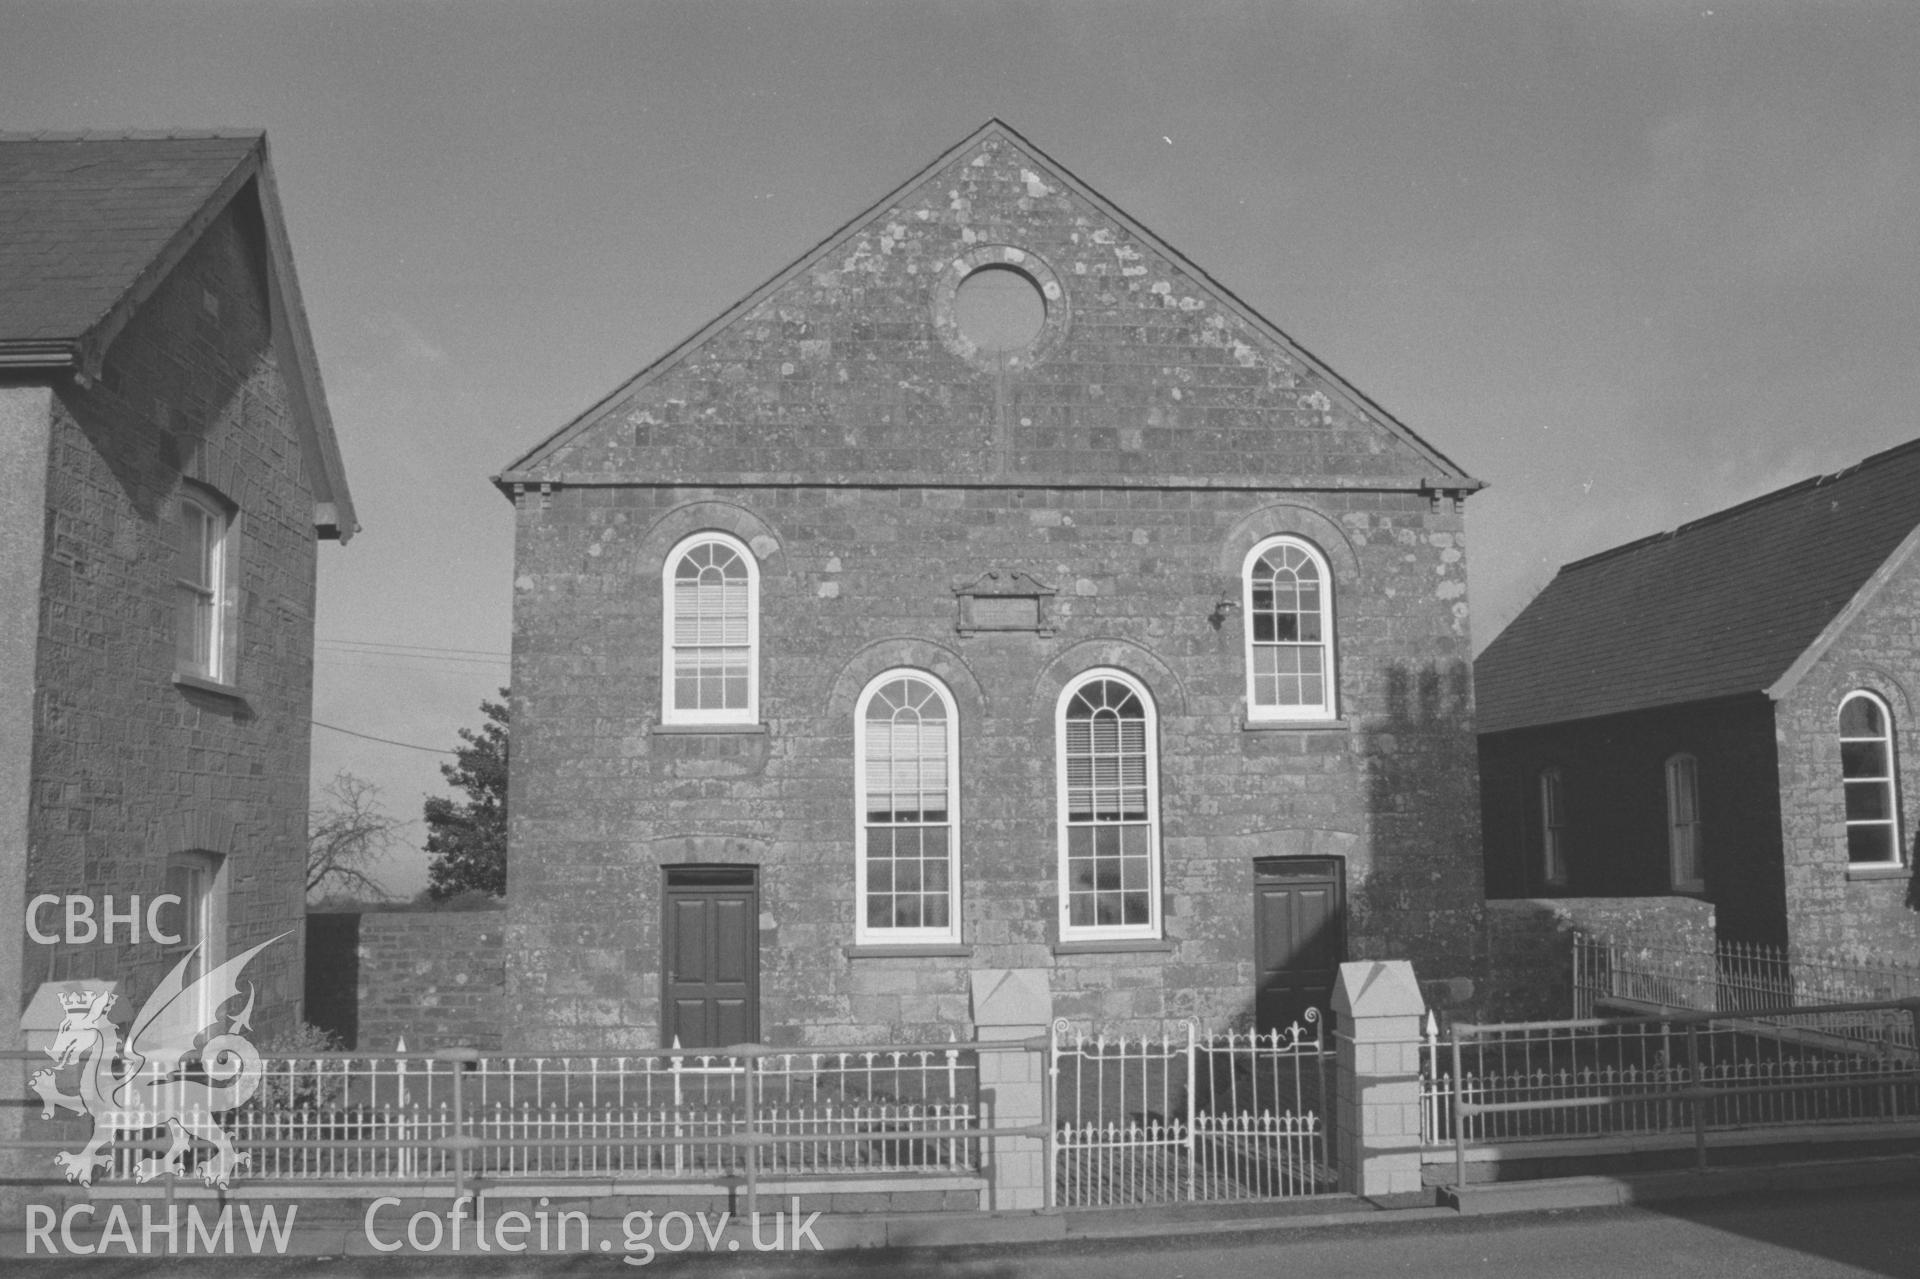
[1725, 711]
[169, 470]
[990, 590]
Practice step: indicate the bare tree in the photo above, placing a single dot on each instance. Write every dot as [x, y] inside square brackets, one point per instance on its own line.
[346, 834]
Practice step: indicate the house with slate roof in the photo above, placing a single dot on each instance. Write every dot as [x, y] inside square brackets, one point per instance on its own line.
[1727, 711]
[169, 471]
[990, 591]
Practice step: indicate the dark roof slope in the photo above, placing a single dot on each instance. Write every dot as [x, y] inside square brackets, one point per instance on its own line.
[82, 218]
[90, 224]
[1721, 606]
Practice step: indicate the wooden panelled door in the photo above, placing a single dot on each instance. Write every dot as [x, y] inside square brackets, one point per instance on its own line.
[1299, 937]
[710, 963]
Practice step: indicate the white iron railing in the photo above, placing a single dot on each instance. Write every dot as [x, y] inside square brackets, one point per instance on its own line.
[1738, 977]
[905, 1109]
[1190, 1116]
[1525, 1081]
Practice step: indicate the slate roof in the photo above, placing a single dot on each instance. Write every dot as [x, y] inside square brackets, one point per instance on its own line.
[81, 218]
[1728, 604]
[90, 224]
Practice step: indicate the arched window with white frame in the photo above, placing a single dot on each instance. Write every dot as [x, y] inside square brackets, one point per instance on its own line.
[1287, 600]
[907, 739]
[1109, 809]
[1870, 780]
[710, 649]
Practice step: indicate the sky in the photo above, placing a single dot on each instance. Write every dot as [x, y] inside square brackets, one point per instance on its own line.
[1629, 263]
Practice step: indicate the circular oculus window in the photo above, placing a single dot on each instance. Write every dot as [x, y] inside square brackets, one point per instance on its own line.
[1000, 307]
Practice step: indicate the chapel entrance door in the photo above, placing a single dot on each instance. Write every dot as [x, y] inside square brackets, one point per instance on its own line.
[1299, 937]
[710, 968]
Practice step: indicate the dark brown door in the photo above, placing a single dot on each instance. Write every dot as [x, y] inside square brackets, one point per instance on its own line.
[1299, 937]
[711, 965]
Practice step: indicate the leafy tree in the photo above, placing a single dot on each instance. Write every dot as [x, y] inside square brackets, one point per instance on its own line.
[346, 834]
[467, 842]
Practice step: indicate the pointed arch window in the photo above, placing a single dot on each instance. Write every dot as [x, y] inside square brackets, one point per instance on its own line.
[711, 647]
[906, 737]
[1867, 770]
[1683, 824]
[1109, 809]
[1288, 603]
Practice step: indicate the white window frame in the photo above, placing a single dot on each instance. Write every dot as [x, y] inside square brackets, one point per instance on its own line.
[1686, 831]
[1328, 706]
[204, 647]
[671, 712]
[1151, 929]
[1552, 785]
[865, 933]
[1891, 782]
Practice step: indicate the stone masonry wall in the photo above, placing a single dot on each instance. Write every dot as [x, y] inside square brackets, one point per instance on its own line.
[873, 463]
[436, 978]
[1529, 975]
[1832, 907]
[129, 766]
[858, 584]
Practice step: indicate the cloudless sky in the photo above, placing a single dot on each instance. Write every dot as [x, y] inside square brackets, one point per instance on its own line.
[1628, 262]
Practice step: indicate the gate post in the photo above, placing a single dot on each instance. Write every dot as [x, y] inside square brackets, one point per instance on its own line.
[1014, 1003]
[1379, 1012]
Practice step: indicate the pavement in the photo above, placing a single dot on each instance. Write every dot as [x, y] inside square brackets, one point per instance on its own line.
[345, 1234]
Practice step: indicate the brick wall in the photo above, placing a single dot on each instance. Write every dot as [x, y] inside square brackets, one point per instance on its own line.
[872, 465]
[436, 978]
[129, 766]
[1529, 974]
[1832, 906]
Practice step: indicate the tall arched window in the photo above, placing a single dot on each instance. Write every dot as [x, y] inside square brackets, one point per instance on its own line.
[1109, 809]
[1683, 824]
[1872, 786]
[1288, 604]
[906, 736]
[711, 646]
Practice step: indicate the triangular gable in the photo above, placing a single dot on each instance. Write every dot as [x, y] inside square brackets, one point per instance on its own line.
[96, 222]
[838, 370]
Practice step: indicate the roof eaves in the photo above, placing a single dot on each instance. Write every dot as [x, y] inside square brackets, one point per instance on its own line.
[28, 353]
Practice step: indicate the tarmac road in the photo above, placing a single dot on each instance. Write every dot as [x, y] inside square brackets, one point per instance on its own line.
[1870, 1231]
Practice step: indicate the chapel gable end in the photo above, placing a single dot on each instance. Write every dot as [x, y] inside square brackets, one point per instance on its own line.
[991, 318]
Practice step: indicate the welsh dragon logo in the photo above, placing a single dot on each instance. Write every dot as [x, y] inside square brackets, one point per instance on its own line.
[142, 1086]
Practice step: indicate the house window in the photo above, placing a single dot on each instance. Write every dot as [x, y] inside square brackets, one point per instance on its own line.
[1683, 823]
[202, 646]
[1109, 810]
[1866, 769]
[1289, 611]
[1553, 827]
[906, 737]
[198, 922]
[711, 587]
